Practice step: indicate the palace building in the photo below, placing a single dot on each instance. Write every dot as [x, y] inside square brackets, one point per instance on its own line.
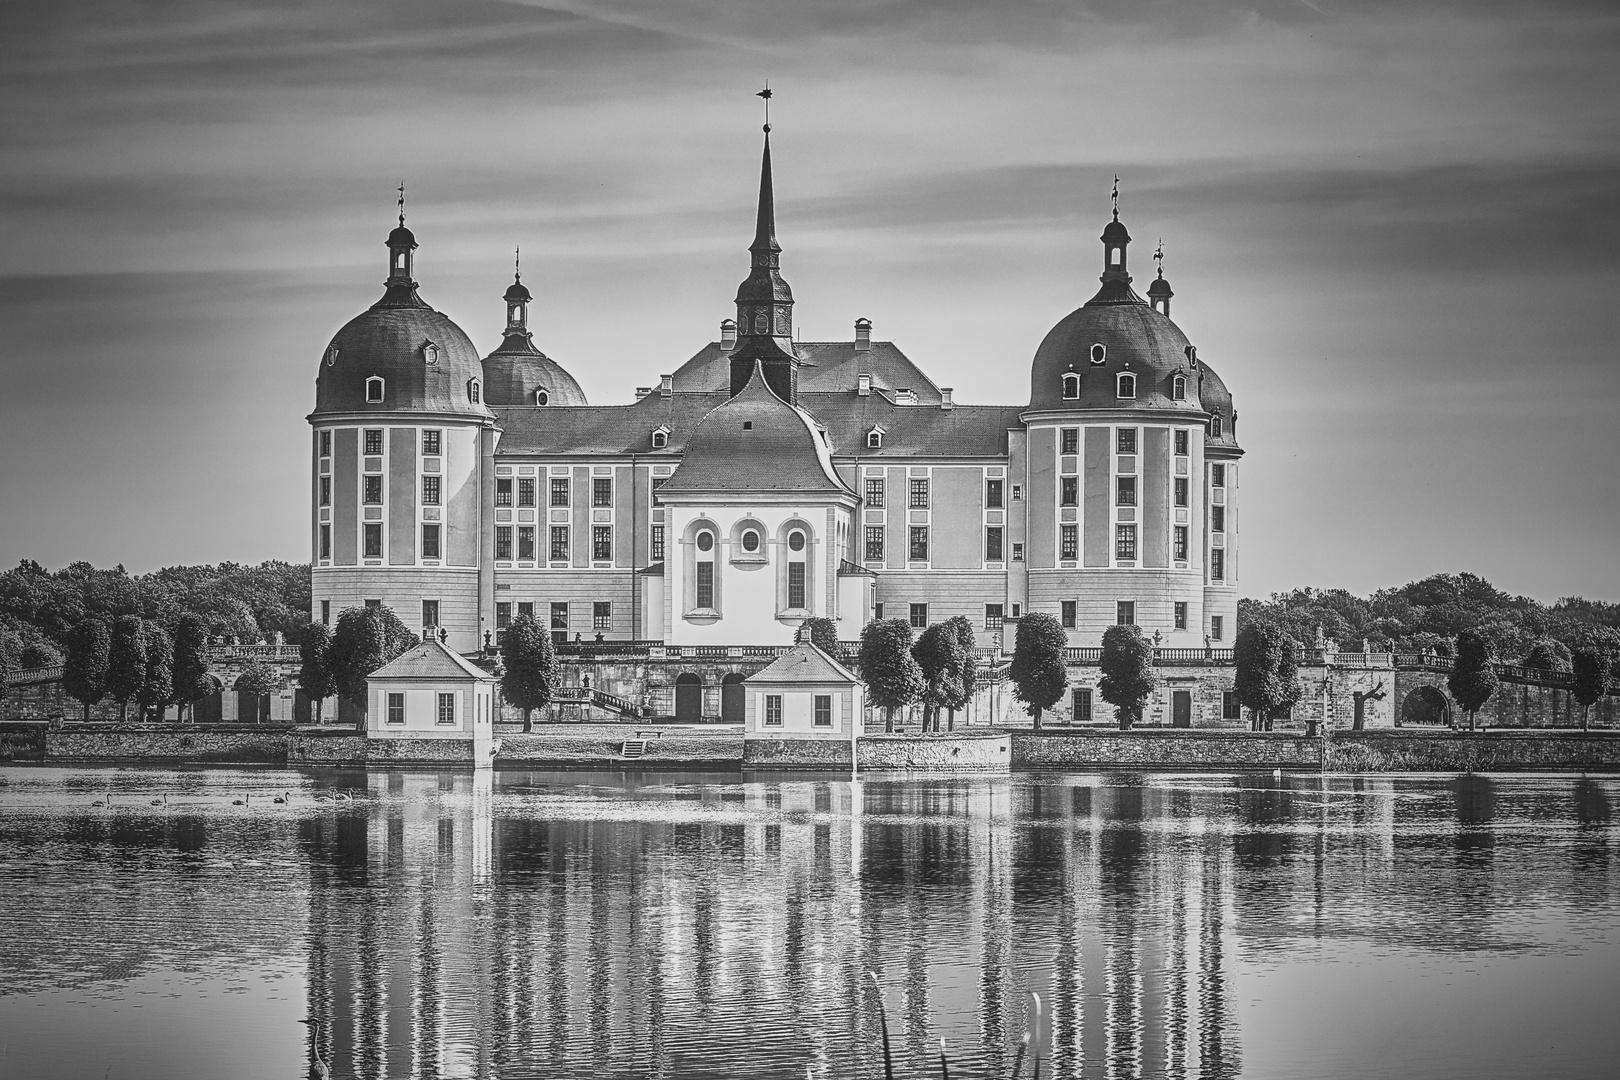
[766, 481]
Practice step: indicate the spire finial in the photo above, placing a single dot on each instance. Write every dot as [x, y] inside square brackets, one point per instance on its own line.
[402, 202]
[1116, 196]
[766, 94]
[1158, 256]
[517, 263]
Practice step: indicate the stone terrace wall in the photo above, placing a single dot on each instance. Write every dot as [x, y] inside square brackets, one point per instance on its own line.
[602, 749]
[979, 752]
[169, 743]
[822, 754]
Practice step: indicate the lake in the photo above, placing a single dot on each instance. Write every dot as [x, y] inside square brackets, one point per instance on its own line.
[713, 925]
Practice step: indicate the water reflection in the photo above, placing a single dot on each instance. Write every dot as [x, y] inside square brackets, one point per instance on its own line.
[534, 924]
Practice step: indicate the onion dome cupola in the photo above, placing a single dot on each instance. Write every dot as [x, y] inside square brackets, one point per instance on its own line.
[517, 373]
[765, 303]
[400, 355]
[1159, 291]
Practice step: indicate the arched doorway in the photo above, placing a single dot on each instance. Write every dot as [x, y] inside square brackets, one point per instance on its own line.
[209, 708]
[1425, 705]
[688, 698]
[733, 699]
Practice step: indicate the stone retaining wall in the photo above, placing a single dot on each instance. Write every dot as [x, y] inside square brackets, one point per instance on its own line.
[604, 750]
[979, 752]
[183, 743]
[827, 755]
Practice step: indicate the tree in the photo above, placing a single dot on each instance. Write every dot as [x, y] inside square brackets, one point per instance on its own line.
[1038, 673]
[1548, 654]
[126, 662]
[1473, 676]
[157, 687]
[1288, 685]
[37, 654]
[1128, 678]
[1267, 671]
[84, 669]
[967, 677]
[257, 681]
[364, 640]
[892, 676]
[1592, 667]
[938, 653]
[531, 666]
[824, 636]
[191, 681]
[315, 677]
[7, 663]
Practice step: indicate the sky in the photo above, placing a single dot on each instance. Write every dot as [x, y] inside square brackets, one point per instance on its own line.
[1392, 227]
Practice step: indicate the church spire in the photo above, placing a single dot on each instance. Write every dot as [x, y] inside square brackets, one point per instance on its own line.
[764, 301]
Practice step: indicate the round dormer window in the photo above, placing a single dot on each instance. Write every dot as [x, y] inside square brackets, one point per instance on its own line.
[750, 541]
[331, 354]
[705, 541]
[796, 541]
[542, 397]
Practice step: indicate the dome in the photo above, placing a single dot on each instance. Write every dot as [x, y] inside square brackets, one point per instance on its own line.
[1134, 339]
[425, 361]
[517, 292]
[1217, 400]
[512, 377]
[401, 236]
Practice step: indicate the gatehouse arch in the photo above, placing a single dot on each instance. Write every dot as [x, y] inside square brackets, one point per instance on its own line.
[1425, 705]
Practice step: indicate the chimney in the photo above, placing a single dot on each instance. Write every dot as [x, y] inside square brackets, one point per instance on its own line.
[863, 385]
[945, 401]
[666, 385]
[642, 391]
[905, 396]
[863, 335]
[728, 334]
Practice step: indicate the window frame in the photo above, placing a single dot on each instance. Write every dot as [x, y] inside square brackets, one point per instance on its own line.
[1124, 612]
[994, 545]
[602, 492]
[561, 492]
[1068, 541]
[373, 539]
[1217, 625]
[655, 543]
[876, 491]
[373, 442]
[371, 489]
[431, 489]
[396, 708]
[560, 552]
[1125, 546]
[601, 615]
[432, 537]
[1217, 564]
[919, 543]
[1183, 442]
[1068, 440]
[796, 586]
[528, 491]
[376, 389]
[1125, 380]
[995, 617]
[917, 493]
[773, 711]
[446, 714]
[1125, 441]
[993, 493]
[917, 614]
[503, 490]
[1069, 613]
[1071, 386]
[821, 711]
[1178, 618]
[526, 542]
[1182, 491]
[601, 543]
[432, 442]
[1068, 491]
[874, 533]
[503, 541]
[1179, 543]
[1125, 490]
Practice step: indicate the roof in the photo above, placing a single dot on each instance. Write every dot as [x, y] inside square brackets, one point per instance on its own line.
[804, 663]
[824, 367]
[389, 341]
[430, 661]
[513, 372]
[1135, 339]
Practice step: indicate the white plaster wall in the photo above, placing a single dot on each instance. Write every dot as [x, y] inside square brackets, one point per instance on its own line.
[798, 711]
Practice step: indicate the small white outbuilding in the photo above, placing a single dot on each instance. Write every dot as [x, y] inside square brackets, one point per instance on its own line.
[431, 693]
[804, 694]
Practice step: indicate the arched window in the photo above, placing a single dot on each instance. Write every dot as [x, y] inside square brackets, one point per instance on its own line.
[1215, 426]
[794, 585]
[1113, 256]
[542, 396]
[660, 438]
[1099, 353]
[1127, 386]
[374, 388]
[473, 392]
[874, 439]
[705, 595]
[1071, 386]
[1178, 388]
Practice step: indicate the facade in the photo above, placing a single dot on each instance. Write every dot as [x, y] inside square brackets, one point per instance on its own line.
[766, 481]
[430, 694]
[804, 694]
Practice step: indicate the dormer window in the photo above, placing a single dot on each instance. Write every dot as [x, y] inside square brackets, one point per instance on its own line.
[1192, 355]
[542, 396]
[660, 438]
[874, 439]
[1099, 353]
[474, 393]
[1071, 386]
[1178, 388]
[1127, 386]
[374, 388]
[430, 351]
[331, 354]
[1215, 426]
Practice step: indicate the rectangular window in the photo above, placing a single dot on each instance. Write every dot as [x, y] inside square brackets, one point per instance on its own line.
[1125, 612]
[602, 491]
[874, 543]
[1125, 541]
[919, 616]
[503, 614]
[992, 494]
[326, 444]
[992, 616]
[525, 541]
[602, 615]
[1017, 492]
[374, 440]
[326, 491]
[373, 605]
[1181, 543]
[559, 615]
[503, 541]
[1181, 440]
[1181, 616]
[1181, 491]
[874, 491]
[1230, 709]
[658, 543]
[503, 491]
[559, 542]
[525, 491]
[1217, 519]
[430, 540]
[992, 543]
[326, 541]
[525, 609]
[919, 543]
[559, 491]
[430, 442]
[1082, 706]
[705, 585]
[1217, 475]
[795, 585]
[396, 708]
[877, 611]
[919, 494]
[602, 542]
[1069, 491]
[823, 710]
[1125, 490]
[1070, 614]
[447, 708]
[773, 710]
[326, 612]
[1217, 565]
[1126, 440]
[430, 490]
[430, 613]
[1018, 551]
[1015, 611]
[1071, 440]
[373, 541]
[373, 490]
[1069, 542]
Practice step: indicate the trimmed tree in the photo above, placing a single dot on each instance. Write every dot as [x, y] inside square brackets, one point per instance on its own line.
[8, 661]
[531, 666]
[1548, 654]
[315, 677]
[84, 669]
[37, 654]
[364, 640]
[126, 663]
[157, 688]
[190, 665]
[1258, 653]
[938, 653]
[1591, 665]
[1288, 685]
[1128, 678]
[1037, 671]
[967, 676]
[892, 676]
[824, 636]
[1473, 676]
[258, 681]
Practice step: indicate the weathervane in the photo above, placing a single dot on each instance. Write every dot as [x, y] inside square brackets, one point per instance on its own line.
[1116, 196]
[766, 94]
[402, 202]
[1158, 256]
[517, 262]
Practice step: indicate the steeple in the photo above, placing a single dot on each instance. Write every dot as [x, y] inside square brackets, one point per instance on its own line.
[400, 289]
[764, 301]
